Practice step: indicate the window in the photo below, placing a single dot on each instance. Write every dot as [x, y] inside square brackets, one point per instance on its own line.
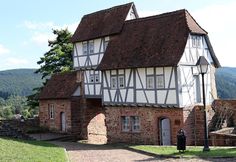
[51, 111]
[160, 81]
[96, 78]
[125, 123]
[150, 82]
[135, 123]
[85, 48]
[130, 123]
[91, 78]
[91, 47]
[113, 82]
[196, 41]
[121, 81]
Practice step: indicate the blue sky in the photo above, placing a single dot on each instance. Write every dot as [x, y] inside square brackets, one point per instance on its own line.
[27, 25]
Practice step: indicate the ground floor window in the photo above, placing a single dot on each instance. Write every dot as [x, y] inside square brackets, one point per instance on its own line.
[130, 123]
[51, 111]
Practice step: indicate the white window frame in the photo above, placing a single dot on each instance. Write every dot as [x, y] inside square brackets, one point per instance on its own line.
[160, 81]
[125, 123]
[91, 78]
[85, 48]
[120, 85]
[113, 82]
[196, 41]
[135, 123]
[51, 111]
[91, 47]
[150, 82]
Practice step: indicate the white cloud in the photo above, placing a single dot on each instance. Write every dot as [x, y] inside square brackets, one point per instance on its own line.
[16, 61]
[3, 50]
[41, 39]
[32, 25]
[218, 20]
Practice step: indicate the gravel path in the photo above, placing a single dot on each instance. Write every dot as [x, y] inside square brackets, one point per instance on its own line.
[79, 152]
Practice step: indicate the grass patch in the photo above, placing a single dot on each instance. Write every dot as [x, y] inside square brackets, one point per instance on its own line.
[28, 151]
[191, 151]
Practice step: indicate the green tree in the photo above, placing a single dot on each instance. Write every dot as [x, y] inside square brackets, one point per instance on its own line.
[58, 59]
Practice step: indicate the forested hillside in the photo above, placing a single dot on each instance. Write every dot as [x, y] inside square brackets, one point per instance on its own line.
[226, 83]
[19, 82]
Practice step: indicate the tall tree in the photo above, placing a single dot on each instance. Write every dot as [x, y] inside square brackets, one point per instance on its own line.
[57, 59]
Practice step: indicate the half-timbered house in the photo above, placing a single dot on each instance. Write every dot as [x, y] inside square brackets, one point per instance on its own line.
[140, 74]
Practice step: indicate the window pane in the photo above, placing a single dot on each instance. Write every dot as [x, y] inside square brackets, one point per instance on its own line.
[113, 83]
[96, 78]
[125, 123]
[85, 48]
[106, 44]
[160, 81]
[135, 123]
[91, 78]
[91, 47]
[150, 82]
[121, 81]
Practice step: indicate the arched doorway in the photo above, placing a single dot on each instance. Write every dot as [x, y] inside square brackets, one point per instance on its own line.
[63, 122]
[165, 136]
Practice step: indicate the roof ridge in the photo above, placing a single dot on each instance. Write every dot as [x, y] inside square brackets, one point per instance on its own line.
[162, 15]
[109, 9]
[187, 13]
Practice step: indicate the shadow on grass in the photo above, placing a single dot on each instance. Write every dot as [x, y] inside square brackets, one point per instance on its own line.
[31, 142]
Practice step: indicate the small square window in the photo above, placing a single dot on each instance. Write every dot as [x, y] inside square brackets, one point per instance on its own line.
[125, 122]
[91, 78]
[96, 78]
[150, 82]
[160, 81]
[196, 41]
[113, 82]
[121, 80]
[51, 111]
[91, 47]
[85, 48]
[135, 123]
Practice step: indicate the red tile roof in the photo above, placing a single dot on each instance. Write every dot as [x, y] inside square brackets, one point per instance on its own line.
[102, 23]
[154, 41]
[60, 86]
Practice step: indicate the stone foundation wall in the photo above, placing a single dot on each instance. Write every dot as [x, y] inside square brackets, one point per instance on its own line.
[149, 124]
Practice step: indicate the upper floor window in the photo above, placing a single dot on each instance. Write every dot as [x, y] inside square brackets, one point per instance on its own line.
[96, 78]
[85, 48]
[196, 41]
[113, 82]
[51, 111]
[160, 81]
[91, 47]
[91, 78]
[150, 82]
[121, 82]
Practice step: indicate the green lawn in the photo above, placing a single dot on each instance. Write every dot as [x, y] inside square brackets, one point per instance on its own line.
[30, 151]
[191, 151]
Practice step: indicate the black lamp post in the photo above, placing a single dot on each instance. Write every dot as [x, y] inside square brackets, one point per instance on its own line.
[202, 66]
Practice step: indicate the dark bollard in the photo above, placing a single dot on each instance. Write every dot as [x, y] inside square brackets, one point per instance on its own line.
[181, 141]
